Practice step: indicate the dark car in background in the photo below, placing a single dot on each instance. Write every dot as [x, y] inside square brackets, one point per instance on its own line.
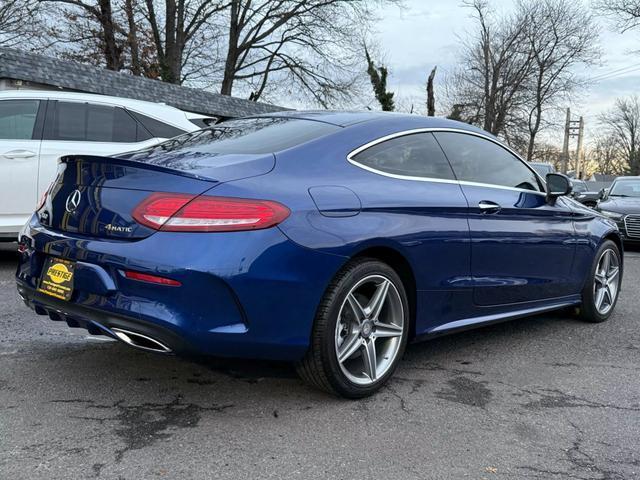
[582, 193]
[621, 203]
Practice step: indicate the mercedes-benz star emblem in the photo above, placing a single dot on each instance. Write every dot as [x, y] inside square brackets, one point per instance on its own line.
[73, 200]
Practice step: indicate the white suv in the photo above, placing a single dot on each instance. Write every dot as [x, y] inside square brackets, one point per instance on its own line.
[38, 127]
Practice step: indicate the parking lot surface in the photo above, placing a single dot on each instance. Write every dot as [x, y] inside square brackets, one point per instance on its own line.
[545, 398]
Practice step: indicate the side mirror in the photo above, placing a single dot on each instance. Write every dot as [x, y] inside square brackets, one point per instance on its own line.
[557, 186]
[603, 194]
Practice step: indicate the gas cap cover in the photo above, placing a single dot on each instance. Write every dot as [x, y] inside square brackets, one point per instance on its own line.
[335, 201]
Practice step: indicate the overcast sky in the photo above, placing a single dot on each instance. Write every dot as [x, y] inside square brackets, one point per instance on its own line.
[425, 33]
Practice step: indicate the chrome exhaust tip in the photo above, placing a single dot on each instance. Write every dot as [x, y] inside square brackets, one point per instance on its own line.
[140, 341]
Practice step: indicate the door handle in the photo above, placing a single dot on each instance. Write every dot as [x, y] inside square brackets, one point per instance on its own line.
[19, 154]
[486, 206]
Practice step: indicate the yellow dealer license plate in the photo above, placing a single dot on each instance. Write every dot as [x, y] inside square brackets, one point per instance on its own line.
[57, 278]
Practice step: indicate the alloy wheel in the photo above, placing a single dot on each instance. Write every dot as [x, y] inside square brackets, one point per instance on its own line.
[369, 330]
[607, 281]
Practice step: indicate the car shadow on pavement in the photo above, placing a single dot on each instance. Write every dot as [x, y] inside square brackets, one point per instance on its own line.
[8, 252]
[634, 247]
[89, 365]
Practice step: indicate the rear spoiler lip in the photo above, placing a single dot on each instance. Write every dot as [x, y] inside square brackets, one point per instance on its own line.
[134, 164]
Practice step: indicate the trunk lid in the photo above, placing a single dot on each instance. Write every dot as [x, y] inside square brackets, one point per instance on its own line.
[96, 196]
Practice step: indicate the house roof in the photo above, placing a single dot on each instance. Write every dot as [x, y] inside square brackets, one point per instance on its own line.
[40, 69]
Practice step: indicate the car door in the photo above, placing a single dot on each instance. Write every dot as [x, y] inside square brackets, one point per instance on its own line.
[426, 214]
[19, 148]
[83, 128]
[522, 247]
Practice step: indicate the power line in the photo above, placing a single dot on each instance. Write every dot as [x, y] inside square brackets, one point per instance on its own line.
[617, 72]
[605, 74]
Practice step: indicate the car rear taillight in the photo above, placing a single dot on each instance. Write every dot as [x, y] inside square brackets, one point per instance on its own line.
[186, 213]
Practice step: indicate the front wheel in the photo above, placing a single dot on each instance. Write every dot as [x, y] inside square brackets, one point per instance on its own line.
[602, 288]
[360, 331]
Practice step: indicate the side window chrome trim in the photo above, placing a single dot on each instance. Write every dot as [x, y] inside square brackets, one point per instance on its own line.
[366, 146]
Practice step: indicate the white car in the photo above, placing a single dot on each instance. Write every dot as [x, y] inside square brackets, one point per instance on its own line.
[37, 127]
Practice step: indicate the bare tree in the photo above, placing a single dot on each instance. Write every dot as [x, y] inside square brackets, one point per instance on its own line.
[101, 14]
[548, 153]
[605, 155]
[624, 13]
[622, 123]
[308, 48]
[165, 39]
[181, 24]
[496, 64]
[561, 35]
[303, 49]
[18, 22]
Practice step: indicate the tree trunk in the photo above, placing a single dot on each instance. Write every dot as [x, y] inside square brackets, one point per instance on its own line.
[112, 53]
[634, 162]
[136, 67]
[431, 101]
[168, 65]
[232, 51]
[533, 132]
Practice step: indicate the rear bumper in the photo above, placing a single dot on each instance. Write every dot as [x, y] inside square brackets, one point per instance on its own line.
[99, 322]
[243, 294]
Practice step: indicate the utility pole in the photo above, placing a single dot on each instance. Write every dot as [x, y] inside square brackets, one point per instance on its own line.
[579, 152]
[572, 128]
[565, 147]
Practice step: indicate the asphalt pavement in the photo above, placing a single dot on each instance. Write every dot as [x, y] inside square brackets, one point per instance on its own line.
[546, 397]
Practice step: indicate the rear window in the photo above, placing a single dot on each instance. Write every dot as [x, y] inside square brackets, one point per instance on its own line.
[249, 136]
[157, 128]
[87, 122]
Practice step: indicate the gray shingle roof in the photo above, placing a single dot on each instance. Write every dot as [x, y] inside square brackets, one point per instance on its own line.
[19, 65]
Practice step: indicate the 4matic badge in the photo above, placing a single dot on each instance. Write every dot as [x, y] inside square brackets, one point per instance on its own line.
[117, 228]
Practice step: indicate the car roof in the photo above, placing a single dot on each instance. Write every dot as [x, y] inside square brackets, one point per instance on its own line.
[343, 118]
[159, 111]
[89, 97]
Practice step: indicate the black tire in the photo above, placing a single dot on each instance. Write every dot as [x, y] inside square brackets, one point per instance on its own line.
[320, 367]
[588, 311]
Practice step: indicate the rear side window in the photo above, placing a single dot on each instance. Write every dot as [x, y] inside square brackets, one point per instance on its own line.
[415, 155]
[475, 159]
[18, 119]
[85, 122]
[246, 136]
[157, 128]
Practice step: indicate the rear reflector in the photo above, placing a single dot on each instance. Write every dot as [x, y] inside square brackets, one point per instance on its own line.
[145, 277]
[184, 213]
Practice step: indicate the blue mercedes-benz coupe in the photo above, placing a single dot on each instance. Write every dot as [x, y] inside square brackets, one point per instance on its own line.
[330, 239]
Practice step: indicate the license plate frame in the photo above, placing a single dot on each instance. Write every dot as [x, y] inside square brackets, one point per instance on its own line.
[57, 278]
